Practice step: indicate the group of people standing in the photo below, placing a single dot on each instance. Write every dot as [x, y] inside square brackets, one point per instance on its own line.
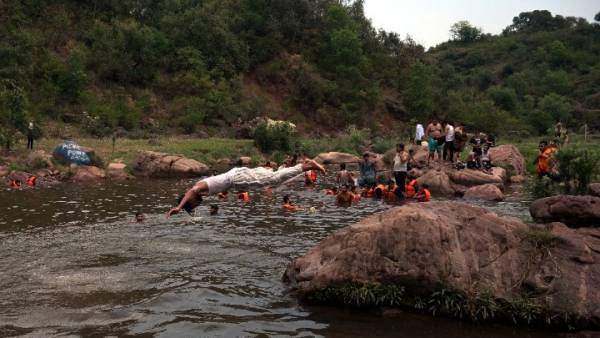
[443, 138]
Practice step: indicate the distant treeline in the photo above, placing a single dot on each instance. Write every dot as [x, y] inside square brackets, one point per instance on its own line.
[182, 64]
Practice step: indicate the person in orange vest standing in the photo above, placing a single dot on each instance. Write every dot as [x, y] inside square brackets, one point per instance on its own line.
[545, 160]
[424, 195]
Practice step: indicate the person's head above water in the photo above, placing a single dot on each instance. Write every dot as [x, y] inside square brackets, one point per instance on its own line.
[191, 204]
[214, 209]
[139, 217]
[344, 188]
[343, 166]
[286, 199]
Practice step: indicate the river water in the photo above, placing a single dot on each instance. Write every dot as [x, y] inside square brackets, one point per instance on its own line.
[73, 263]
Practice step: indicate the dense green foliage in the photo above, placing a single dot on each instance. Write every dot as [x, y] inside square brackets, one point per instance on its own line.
[182, 64]
[185, 62]
[541, 69]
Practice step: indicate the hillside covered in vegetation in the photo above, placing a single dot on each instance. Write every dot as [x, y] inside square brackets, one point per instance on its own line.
[172, 66]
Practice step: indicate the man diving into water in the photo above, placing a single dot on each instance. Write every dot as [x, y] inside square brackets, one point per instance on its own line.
[239, 179]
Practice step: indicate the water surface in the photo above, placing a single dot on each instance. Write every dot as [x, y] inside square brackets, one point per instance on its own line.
[73, 262]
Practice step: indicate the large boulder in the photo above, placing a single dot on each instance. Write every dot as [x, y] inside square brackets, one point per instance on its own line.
[471, 177]
[466, 248]
[70, 152]
[486, 192]
[337, 158]
[438, 181]
[117, 171]
[88, 173]
[155, 164]
[508, 156]
[594, 189]
[574, 211]
[420, 156]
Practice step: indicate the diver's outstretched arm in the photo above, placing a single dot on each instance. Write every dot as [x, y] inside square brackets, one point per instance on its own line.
[196, 190]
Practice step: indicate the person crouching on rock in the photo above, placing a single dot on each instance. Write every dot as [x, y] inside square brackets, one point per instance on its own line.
[423, 195]
[239, 179]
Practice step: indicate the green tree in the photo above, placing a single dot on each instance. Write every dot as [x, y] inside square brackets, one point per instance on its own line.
[465, 32]
[556, 106]
[12, 112]
[418, 95]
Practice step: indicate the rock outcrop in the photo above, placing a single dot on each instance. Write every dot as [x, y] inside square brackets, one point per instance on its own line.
[518, 179]
[574, 211]
[469, 249]
[594, 189]
[39, 159]
[117, 171]
[470, 177]
[508, 156]
[88, 173]
[337, 158]
[486, 192]
[155, 164]
[438, 181]
[70, 152]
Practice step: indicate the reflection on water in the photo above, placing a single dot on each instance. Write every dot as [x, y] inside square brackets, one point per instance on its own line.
[74, 262]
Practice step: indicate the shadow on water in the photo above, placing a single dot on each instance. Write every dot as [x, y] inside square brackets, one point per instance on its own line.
[74, 262]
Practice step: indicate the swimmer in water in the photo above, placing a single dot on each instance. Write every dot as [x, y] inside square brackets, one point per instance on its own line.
[214, 210]
[139, 217]
[288, 205]
[239, 179]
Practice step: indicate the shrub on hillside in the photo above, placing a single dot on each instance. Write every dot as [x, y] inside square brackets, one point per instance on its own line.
[269, 138]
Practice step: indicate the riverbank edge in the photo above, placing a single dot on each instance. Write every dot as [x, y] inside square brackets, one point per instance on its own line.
[445, 301]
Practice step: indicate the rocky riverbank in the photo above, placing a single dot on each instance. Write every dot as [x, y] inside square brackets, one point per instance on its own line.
[458, 260]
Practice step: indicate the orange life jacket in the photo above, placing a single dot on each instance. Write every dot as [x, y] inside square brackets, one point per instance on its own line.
[310, 177]
[290, 207]
[390, 195]
[544, 159]
[410, 188]
[244, 196]
[31, 180]
[15, 184]
[356, 198]
[368, 193]
[424, 196]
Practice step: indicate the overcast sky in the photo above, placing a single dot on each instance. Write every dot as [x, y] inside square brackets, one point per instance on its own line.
[428, 21]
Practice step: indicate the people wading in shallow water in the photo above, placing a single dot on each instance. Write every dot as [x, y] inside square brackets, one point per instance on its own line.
[239, 179]
[288, 205]
[344, 198]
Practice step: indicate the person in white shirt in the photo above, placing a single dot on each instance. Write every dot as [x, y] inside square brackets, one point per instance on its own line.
[419, 133]
[400, 169]
[239, 179]
[449, 145]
